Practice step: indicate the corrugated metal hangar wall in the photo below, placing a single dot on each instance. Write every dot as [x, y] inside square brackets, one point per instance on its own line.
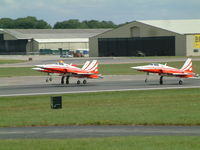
[136, 37]
[12, 46]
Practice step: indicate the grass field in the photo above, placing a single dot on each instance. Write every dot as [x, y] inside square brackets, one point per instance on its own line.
[156, 107]
[19, 71]
[160, 57]
[11, 61]
[105, 69]
[113, 143]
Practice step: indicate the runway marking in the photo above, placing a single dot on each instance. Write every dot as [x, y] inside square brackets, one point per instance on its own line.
[94, 91]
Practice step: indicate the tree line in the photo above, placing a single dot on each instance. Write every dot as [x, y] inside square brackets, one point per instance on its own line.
[31, 22]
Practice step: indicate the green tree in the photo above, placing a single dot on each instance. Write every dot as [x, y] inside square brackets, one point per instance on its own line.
[91, 24]
[31, 23]
[24, 23]
[70, 24]
[41, 24]
[6, 23]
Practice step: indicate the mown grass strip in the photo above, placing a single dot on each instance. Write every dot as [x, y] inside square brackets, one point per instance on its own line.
[155, 107]
[11, 61]
[113, 143]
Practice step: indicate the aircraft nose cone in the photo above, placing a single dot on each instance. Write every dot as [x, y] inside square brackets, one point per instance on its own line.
[37, 69]
[136, 68]
[40, 66]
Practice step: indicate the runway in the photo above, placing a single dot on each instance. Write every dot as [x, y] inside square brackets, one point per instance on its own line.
[96, 131]
[35, 85]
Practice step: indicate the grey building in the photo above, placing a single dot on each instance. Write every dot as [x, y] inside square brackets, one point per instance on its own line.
[31, 41]
[150, 37]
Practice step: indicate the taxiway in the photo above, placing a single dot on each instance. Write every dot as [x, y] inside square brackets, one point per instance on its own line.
[96, 131]
[17, 86]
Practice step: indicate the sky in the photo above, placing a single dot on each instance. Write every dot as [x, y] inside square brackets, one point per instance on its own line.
[118, 11]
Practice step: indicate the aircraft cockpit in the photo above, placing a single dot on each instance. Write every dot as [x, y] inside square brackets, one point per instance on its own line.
[154, 64]
[61, 62]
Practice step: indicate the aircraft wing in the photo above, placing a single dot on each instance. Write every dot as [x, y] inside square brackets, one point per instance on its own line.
[181, 74]
[85, 73]
[176, 73]
[60, 70]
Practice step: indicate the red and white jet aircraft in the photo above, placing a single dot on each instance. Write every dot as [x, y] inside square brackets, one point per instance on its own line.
[89, 70]
[164, 70]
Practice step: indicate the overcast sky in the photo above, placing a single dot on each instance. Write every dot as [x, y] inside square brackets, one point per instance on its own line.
[118, 11]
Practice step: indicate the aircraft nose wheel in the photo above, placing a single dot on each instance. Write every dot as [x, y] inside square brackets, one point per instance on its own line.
[161, 80]
[180, 82]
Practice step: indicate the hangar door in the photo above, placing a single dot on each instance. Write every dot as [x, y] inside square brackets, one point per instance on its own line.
[150, 46]
[12, 46]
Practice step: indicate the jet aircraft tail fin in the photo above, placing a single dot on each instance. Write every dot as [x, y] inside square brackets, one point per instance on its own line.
[92, 67]
[187, 65]
[87, 63]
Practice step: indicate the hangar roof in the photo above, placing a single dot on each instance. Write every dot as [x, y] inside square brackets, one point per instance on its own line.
[71, 40]
[53, 33]
[187, 26]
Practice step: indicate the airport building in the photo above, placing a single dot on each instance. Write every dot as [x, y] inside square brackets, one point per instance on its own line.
[149, 38]
[45, 41]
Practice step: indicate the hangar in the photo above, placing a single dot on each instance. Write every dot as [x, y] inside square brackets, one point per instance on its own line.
[149, 37]
[32, 41]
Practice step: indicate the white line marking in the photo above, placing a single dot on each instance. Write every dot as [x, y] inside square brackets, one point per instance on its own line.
[113, 90]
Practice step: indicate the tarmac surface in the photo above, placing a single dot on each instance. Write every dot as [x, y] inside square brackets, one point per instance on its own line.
[96, 131]
[16, 86]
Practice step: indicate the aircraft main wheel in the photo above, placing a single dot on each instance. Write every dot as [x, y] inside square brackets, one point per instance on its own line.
[67, 80]
[47, 80]
[84, 81]
[50, 79]
[180, 82]
[145, 80]
[78, 82]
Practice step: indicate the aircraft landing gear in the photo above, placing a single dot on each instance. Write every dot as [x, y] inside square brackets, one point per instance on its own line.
[180, 82]
[67, 80]
[84, 82]
[78, 82]
[146, 78]
[49, 79]
[62, 79]
[161, 80]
